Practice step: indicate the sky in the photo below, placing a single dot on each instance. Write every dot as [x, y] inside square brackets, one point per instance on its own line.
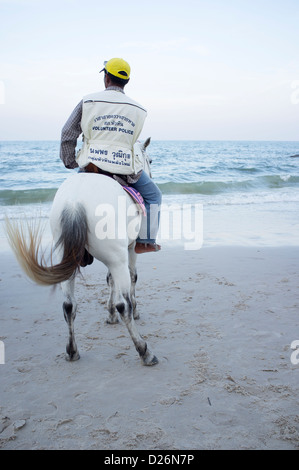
[204, 69]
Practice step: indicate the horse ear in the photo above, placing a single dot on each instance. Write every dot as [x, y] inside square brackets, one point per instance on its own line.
[147, 142]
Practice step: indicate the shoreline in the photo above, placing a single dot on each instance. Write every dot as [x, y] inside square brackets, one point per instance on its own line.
[221, 321]
[272, 224]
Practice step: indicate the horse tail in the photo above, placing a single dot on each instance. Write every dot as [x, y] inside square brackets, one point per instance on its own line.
[72, 241]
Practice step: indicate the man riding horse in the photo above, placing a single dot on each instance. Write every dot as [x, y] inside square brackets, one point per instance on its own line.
[111, 123]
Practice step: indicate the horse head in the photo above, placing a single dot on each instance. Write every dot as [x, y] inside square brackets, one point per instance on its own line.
[142, 159]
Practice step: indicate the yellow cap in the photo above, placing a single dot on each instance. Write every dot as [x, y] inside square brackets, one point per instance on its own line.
[118, 67]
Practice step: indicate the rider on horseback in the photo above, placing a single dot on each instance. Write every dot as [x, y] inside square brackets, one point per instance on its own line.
[111, 123]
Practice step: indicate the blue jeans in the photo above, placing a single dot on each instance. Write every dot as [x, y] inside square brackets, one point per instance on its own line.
[152, 199]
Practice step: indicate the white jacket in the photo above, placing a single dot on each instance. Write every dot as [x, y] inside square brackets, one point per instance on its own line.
[111, 123]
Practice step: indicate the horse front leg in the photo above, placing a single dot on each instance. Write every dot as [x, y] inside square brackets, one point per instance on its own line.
[69, 311]
[133, 275]
[113, 315]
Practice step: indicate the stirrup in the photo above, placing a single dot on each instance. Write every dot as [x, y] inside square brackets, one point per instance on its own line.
[146, 247]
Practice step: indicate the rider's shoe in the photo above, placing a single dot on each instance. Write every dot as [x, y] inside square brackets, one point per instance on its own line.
[146, 247]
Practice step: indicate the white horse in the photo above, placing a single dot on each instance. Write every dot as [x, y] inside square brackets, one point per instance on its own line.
[74, 221]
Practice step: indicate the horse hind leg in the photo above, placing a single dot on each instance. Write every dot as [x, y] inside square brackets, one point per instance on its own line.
[69, 311]
[124, 307]
[125, 310]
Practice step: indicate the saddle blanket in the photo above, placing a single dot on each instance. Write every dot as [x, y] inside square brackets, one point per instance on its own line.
[137, 197]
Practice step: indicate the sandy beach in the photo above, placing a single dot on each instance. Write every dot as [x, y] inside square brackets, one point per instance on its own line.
[221, 321]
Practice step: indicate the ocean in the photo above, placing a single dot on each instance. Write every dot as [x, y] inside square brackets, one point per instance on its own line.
[249, 191]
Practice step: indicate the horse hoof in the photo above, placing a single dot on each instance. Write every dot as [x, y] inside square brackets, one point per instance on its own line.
[73, 357]
[112, 322]
[152, 362]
